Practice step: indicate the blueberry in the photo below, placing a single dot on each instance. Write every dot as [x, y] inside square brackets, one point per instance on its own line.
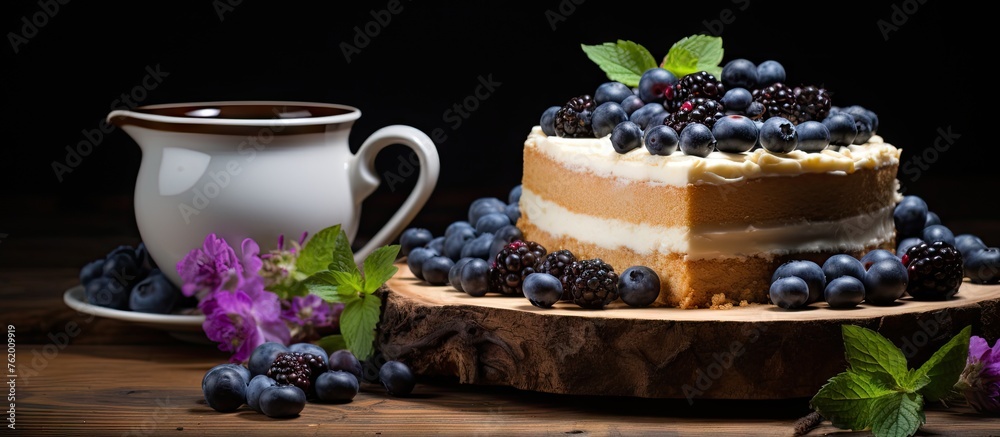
[92, 270]
[631, 104]
[548, 121]
[638, 286]
[345, 360]
[739, 73]
[934, 233]
[397, 378]
[808, 271]
[125, 249]
[479, 247]
[863, 124]
[142, 257]
[645, 114]
[435, 269]
[968, 243]
[155, 294]
[626, 137]
[737, 99]
[983, 266]
[242, 371]
[336, 386]
[842, 128]
[309, 348]
[696, 140]
[734, 134]
[909, 216]
[759, 125]
[257, 385]
[455, 226]
[414, 237]
[906, 244]
[513, 212]
[606, 117]
[483, 206]
[778, 135]
[611, 92]
[514, 195]
[263, 356]
[661, 140]
[454, 243]
[107, 292]
[415, 260]
[754, 111]
[503, 237]
[656, 84]
[844, 292]
[282, 401]
[885, 281]
[455, 274]
[475, 278]
[542, 289]
[769, 72]
[122, 268]
[437, 245]
[225, 389]
[843, 264]
[813, 136]
[790, 292]
[859, 110]
[875, 256]
[492, 222]
[932, 219]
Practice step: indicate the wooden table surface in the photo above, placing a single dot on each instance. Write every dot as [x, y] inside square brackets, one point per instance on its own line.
[104, 377]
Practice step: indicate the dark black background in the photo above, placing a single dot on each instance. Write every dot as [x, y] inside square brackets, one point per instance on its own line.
[928, 75]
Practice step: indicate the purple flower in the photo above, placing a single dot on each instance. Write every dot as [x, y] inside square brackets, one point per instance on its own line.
[210, 268]
[308, 310]
[240, 323]
[980, 381]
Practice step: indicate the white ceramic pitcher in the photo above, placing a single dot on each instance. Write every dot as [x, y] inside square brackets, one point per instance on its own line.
[259, 169]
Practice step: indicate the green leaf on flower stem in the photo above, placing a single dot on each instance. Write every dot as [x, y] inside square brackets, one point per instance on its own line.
[869, 352]
[332, 343]
[317, 253]
[897, 415]
[379, 267]
[358, 321]
[846, 399]
[343, 256]
[944, 367]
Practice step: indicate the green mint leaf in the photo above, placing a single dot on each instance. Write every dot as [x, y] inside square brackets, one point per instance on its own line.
[624, 61]
[695, 53]
[326, 292]
[897, 415]
[869, 352]
[944, 367]
[379, 267]
[347, 282]
[318, 251]
[847, 399]
[343, 256]
[332, 343]
[358, 321]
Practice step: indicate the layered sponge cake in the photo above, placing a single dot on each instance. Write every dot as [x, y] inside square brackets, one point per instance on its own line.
[714, 228]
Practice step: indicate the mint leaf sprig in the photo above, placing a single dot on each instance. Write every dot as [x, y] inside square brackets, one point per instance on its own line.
[879, 393]
[625, 61]
[334, 277]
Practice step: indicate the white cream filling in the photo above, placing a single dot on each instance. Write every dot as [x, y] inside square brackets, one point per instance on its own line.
[848, 234]
[596, 155]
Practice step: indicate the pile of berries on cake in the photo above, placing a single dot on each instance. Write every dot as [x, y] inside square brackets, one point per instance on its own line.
[752, 106]
[278, 380]
[929, 264]
[488, 254]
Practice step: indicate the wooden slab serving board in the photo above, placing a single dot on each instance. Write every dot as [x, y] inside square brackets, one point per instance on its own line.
[754, 352]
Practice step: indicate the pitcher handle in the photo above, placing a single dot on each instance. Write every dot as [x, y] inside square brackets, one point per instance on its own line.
[364, 181]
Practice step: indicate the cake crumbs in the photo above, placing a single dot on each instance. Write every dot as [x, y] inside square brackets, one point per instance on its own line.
[721, 302]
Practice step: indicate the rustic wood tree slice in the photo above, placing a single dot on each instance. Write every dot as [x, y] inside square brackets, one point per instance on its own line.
[752, 352]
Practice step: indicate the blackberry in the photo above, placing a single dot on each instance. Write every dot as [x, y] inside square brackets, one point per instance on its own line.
[515, 261]
[695, 85]
[593, 283]
[778, 100]
[935, 270]
[555, 264]
[573, 120]
[811, 103]
[699, 110]
[296, 368]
